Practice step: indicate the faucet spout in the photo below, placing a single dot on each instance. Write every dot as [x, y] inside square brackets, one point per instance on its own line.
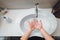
[37, 9]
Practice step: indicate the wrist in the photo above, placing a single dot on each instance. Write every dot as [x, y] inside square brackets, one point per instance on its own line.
[41, 29]
[30, 31]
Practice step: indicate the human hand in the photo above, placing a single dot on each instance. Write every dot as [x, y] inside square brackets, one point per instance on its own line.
[35, 24]
[32, 25]
[38, 24]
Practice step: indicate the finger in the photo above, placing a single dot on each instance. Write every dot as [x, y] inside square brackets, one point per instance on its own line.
[32, 22]
[40, 22]
[35, 21]
[29, 23]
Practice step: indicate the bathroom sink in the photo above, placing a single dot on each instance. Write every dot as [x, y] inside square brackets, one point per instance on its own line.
[48, 20]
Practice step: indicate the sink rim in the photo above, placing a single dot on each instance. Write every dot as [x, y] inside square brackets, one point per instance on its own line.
[29, 18]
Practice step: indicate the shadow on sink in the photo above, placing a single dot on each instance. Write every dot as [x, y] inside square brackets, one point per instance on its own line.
[31, 38]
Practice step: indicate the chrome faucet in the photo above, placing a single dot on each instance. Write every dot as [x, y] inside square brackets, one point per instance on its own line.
[36, 9]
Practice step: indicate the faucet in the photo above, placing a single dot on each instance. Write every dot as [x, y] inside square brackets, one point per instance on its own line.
[36, 9]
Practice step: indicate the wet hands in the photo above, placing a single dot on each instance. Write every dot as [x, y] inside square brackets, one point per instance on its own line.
[35, 24]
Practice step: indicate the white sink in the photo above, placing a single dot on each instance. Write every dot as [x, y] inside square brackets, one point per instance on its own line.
[48, 20]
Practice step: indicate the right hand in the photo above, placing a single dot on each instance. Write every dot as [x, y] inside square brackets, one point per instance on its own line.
[38, 24]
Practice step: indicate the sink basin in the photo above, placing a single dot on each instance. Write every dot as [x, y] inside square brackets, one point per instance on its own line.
[48, 20]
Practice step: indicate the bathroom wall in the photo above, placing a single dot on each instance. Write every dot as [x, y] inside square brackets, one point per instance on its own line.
[27, 3]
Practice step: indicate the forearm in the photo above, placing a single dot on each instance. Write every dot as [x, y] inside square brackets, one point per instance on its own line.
[26, 35]
[46, 35]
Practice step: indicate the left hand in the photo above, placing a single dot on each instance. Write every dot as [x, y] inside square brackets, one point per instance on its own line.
[32, 25]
